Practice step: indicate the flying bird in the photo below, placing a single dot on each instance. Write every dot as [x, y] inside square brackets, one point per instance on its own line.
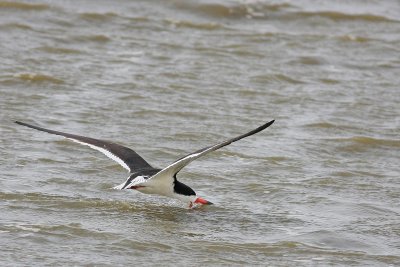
[142, 176]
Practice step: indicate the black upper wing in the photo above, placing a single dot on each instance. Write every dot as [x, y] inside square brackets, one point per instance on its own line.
[126, 157]
[175, 167]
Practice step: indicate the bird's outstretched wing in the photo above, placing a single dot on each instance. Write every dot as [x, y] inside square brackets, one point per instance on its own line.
[174, 168]
[125, 156]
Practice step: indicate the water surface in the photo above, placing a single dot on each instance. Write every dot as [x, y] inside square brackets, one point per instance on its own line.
[319, 187]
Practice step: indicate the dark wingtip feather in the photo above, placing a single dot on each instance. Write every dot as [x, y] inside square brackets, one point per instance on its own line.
[27, 125]
[267, 124]
[22, 123]
[259, 129]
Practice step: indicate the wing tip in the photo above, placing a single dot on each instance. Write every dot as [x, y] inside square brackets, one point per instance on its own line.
[23, 124]
[29, 125]
[267, 124]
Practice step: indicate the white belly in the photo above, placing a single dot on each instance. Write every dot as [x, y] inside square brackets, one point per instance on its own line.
[164, 187]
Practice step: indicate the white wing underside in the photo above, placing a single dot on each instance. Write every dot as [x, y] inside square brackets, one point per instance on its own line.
[104, 151]
[137, 181]
[175, 167]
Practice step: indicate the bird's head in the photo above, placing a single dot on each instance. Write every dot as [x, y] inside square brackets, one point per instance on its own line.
[185, 193]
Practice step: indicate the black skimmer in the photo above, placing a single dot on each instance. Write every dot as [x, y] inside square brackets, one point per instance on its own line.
[142, 176]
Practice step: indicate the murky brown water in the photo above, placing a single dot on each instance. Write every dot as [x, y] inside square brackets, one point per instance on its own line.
[320, 187]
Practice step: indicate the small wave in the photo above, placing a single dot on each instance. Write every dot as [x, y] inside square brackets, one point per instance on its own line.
[189, 24]
[219, 10]
[62, 181]
[324, 239]
[339, 16]
[277, 159]
[344, 174]
[57, 201]
[374, 141]
[28, 196]
[71, 229]
[240, 50]
[272, 78]
[356, 173]
[15, 26]
[280, 11]
[329, 81]
[23, 6]
[102, 17]
[98, 38]
[367, 142]
[352, 38]
[241, 10]
[308, 60]
[58, 50]
[38, 78]
[311, 60]
[321, 125]
[128, 244]
[49, 160]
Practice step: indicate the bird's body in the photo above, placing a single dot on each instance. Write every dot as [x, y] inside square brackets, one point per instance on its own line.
[142, 176]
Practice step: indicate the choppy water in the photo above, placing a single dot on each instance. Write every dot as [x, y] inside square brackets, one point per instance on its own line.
[320, 187]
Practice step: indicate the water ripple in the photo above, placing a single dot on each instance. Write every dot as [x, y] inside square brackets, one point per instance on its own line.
[23, 6]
